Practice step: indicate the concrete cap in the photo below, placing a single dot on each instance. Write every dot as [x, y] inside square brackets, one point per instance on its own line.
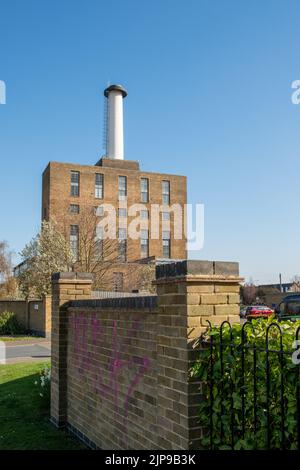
[195, 267]
[125, 303]
[72, 275]
[115, 88]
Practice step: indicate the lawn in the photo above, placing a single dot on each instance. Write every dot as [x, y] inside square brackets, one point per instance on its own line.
[23, 422]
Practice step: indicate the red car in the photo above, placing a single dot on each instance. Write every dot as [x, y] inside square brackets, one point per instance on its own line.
[258, 311]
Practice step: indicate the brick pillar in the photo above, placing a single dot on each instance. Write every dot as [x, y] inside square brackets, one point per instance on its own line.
[47, 310]
[189, 294]
[65, 287]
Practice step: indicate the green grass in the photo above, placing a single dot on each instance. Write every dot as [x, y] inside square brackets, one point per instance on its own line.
[19, 338]
[24, 424]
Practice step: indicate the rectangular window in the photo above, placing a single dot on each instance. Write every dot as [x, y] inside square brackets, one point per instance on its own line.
[122, 234]
[166, 235]
[122, 245]
[144, 244]
[165, 215]
[144, 214]
[99, 186]
[74, 240]
[75, 181]
[122, 212]
[166, 248]
[74, 209]
[99, 243]
[122, 188]
[99, 211]
[166, 192]
[118, 282]
[144, 190]
[166, 243]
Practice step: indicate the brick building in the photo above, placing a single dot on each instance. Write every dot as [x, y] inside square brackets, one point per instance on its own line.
[71, 191]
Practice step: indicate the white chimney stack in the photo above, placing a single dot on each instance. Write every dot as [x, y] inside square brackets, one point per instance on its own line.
[115, 132]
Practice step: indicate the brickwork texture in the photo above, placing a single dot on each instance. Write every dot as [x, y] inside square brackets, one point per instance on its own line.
[120, 367]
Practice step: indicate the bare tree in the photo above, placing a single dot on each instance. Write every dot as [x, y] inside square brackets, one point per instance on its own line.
[142, 278]
[296, 284]
[99, 255]
[249, 293]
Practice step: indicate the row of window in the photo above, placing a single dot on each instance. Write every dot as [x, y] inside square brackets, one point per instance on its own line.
[122, 187]
[122, 243]
[122, 212]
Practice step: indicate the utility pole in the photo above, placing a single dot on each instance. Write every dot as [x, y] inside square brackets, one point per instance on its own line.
[280, 282]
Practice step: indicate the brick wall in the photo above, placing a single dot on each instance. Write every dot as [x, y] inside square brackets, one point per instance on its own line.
[120, 367]
[18, 307]
[116, 352]
[34, 315]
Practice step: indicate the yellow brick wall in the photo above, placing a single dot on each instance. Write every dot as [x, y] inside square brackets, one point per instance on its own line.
[121, 367]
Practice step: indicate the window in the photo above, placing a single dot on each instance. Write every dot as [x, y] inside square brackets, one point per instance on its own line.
[166, 216]
[122, 234]
[122, 188]
[122, 245]
[166, 235]
[293, 307]
[122, 212]
[166, 242]
[74, 237]
[118, 281]
[99, 186]
[282, 308]
[166, 192]
[144, 214]
[144, 190]
[99, 211]
[144, 244]
[99, 243]
[74, 209]
[75, 177]
[99, 249]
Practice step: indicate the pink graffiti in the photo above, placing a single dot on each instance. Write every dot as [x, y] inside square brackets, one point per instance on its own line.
[116, 363]
[96, 328]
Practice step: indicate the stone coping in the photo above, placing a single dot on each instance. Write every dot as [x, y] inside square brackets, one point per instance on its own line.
[126, 303]
[197, 268]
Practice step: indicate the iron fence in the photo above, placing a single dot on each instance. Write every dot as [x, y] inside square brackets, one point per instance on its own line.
[251, 394]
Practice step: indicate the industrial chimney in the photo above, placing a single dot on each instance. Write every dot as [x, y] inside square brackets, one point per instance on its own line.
[115, 138]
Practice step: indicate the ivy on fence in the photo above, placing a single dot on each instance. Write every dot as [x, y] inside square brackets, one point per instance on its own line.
[251, 396]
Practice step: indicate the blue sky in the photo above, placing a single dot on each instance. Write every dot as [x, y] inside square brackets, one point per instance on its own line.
[209, 96]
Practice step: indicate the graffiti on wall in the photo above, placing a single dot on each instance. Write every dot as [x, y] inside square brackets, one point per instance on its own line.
[90, 333]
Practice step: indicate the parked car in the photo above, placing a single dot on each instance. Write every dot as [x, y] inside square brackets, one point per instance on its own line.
[289, 308]
[243, 312]
[258, 311]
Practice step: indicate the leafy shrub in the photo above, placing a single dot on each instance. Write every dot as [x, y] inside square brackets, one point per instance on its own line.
[9, 324]
[229, 389]
[44, 387]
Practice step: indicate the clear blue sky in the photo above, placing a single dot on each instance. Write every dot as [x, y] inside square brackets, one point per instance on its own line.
[209, 86]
